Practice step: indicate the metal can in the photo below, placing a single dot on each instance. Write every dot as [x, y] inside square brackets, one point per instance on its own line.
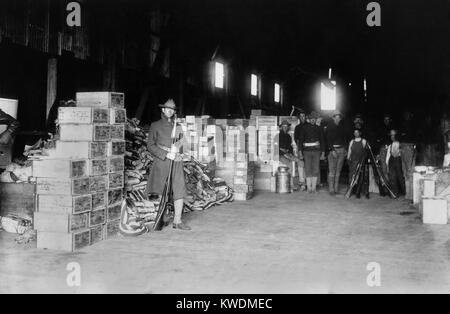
[283, 180]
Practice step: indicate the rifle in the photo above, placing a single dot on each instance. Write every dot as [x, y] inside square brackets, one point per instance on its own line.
[167, 192]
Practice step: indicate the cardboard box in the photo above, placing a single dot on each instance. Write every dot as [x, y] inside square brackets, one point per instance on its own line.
[116, 148]
[114, 197]
[99, 199]
[242, 196]
[76, 132]
[98, 150]
[60, 168]
[63, 186]
[116, 164]
[116, 180]
[64, 203]
[117, 132]
[102, 133]
[60, 222]
[69, 115]
[68, 242]
[111, 229]
[113, 212]
[96, 234]
[435, 211]
[101, 99]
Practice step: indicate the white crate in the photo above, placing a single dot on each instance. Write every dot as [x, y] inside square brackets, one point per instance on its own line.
[101, 99]
[63, 241]
[60, 168]
[64, 203]
[435, 211]
[60, 222]
[69, 115]
[65, 186]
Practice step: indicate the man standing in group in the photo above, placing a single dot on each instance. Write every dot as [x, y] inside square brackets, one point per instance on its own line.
[408, 138]
[336, 141]
[161, 146]
[301, 164]
[312, 150]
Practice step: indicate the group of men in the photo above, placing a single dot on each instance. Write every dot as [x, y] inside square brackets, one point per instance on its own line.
[337, 142]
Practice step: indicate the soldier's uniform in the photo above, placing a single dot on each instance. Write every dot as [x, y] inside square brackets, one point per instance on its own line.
[159, 143]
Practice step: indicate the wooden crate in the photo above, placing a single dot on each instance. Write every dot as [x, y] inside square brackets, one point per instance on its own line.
[243, 196]
[435, 211]
[116, 164]
[118, 116]
[243, 188]
[64, 186]
[115, 196]
[60, 168]
[98, 167]
[102, 133]
[97, 217]
[17, 199]
[116, 148]
[98, 183]
[99, 199]
[111, 229]
[98, 150]
[116, 180]
[64, 203]
[77, 115]
[100, 115]
[113, 212]
[60, 222]
[76, 132]
[96, 234]
[117, 132]
[68, 242]
[71, 150]
[101, 99]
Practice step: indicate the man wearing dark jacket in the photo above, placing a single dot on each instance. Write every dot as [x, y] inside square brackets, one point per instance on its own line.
[301, 164]
[336, 141]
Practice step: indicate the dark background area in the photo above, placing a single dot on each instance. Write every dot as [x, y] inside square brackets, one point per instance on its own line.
[405, 61]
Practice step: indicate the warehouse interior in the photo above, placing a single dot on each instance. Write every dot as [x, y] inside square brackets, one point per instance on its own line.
[236, 72]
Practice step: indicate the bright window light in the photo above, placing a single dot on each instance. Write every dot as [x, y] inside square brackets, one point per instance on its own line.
[277, 94]
[254, 85]
[328, 96]
[219, 75]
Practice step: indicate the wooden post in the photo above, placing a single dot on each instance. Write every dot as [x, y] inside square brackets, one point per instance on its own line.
[51, 83]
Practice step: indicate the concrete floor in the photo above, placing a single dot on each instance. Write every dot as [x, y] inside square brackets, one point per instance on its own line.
[295, 243]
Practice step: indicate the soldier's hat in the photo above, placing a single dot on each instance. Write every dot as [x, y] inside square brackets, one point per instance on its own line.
[170, 104]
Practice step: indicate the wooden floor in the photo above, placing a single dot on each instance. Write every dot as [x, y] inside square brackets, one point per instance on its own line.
[295, 243]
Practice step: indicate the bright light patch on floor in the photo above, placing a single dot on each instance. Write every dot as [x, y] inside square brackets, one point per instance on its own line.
[254, 85]
[277, 94]
[219, 75]
[328, 97]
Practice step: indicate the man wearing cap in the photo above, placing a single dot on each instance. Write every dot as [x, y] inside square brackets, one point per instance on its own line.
[160, 145]
[301, 164]
[336, 141]
[312, 149]
[285, 139]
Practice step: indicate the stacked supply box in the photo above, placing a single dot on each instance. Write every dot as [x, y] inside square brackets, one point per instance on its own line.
[244, 178]
[434, 189]
[80, 184]
[266, 138]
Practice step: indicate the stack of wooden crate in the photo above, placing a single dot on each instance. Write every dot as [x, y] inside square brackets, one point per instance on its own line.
[80, 189]
[434, 191]
[244, 180]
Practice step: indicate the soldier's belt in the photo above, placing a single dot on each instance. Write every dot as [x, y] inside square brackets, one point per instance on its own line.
[311, 144]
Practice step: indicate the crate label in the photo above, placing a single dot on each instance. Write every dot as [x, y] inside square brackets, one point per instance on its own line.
[116, 180]
[99, 167]
[82, 204]
[97, 217]
[78, 222]
[74, 115]
[100, 115]
[98, 183]
[117, 132]
[81, 186]
[112, 228]
[117, 100]
[118, 148]
[81, 239]
[114, 196]
[99, 149]
[96, 234]
[102, 133]
[78, 169]
[114, 212]
[116, 164]
[118, 116]
[99, 200]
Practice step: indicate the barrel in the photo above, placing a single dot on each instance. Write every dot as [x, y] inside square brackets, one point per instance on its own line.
[283, 180]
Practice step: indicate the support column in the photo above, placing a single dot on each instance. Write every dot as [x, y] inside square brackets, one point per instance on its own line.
[52, 71]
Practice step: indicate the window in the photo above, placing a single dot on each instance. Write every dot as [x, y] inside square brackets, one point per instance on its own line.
[219, 75]
[277, 93]
[254, 85]
[328, 96]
